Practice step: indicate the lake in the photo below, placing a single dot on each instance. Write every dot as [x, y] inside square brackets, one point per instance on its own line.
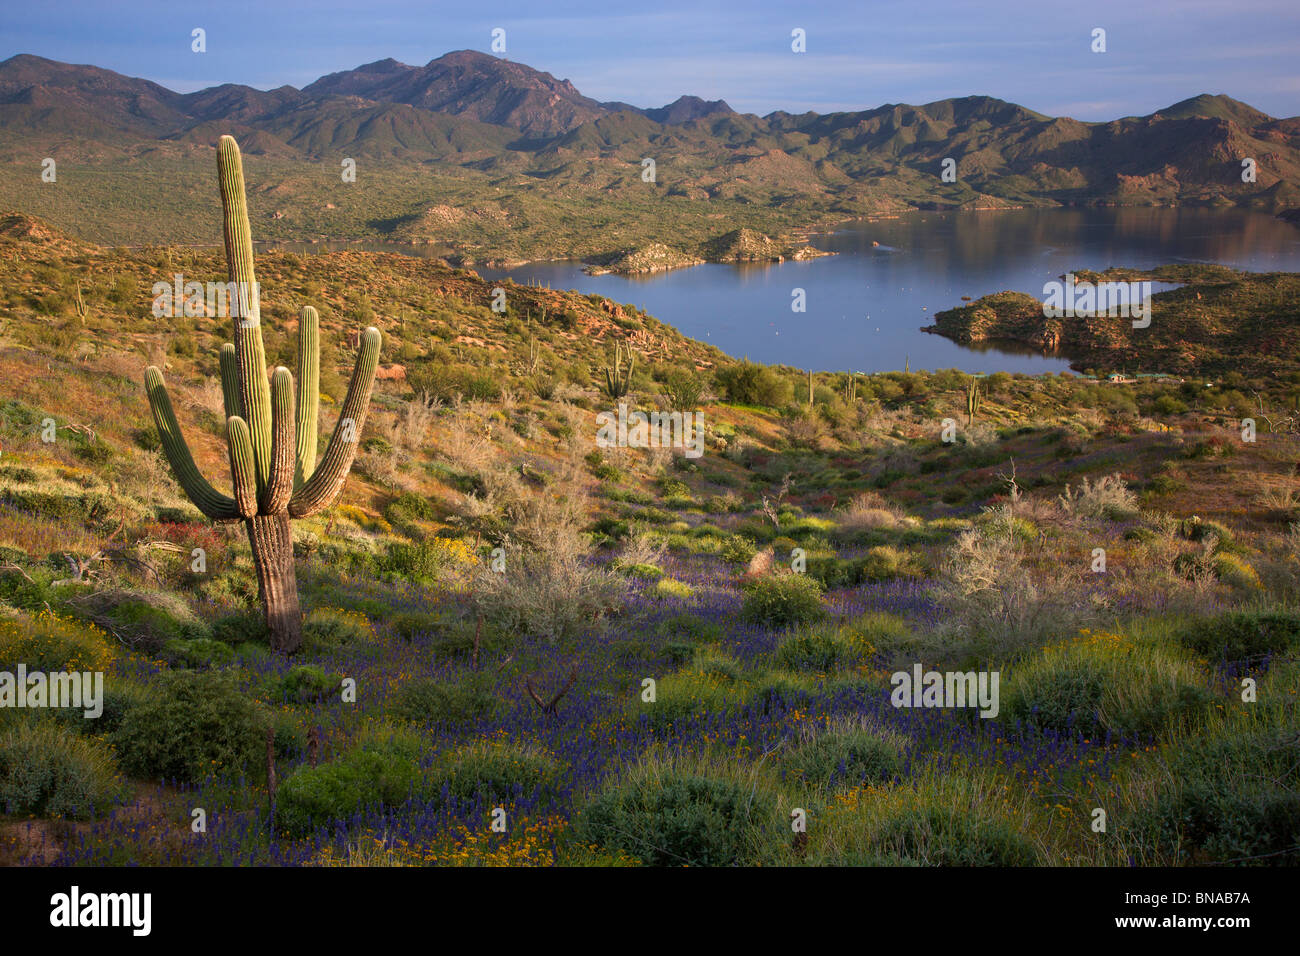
[865, 306]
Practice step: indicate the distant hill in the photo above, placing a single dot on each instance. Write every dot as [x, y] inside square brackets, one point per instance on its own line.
[566, 171]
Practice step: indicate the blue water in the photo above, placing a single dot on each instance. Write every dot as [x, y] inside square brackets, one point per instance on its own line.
[865, 306]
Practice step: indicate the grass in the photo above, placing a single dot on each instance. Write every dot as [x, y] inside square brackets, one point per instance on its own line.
[646, 678]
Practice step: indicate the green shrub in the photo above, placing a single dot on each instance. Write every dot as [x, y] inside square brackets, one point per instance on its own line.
[333, 792]
[1232, 794]
[667, 814]
[47, 770]
[1104, 682]
[326, 629]
[408, 507]
[748, 383]
[737, 550]
[199, 652]
[821, 650]
[648, 572]
[691, 627]
[147, 620]
[244, 627]
[498, 771]
[953, 836]
[847, 756]
[49, 642]
[1242, 635]
[671, 588]
[306, 684]
[194, 723]
[416, 561]
[426, 701]
[782, 600]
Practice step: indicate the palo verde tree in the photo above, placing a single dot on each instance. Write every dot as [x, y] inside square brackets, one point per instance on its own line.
[271, 426]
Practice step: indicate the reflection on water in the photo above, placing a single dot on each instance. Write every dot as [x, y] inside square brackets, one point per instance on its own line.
[866, 305]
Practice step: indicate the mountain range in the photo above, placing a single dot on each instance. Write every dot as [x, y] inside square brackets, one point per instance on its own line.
[494, 159]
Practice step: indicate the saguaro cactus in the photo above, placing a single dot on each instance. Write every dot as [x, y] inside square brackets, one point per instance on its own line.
[616, 380]
[270, 430]
[973, 401]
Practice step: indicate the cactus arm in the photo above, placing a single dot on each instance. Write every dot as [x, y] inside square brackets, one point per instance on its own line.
[253, 386]
[323, 486]
[275, 499]
[243, 471]
[230, 381]
[207, 499]
[308, 395]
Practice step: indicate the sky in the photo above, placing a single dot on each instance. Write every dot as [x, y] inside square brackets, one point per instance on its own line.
[649, 52]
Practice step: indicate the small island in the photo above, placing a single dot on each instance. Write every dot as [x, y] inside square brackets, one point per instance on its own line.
[738, 245]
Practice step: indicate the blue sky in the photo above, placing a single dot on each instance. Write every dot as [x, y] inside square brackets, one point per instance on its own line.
[859, 55]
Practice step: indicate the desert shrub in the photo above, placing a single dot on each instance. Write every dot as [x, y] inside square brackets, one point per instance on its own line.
[782, 600]
[47, 770]
[1242, 635]
[671, 588]
[682, 391]
[194, 723]
[998, 607]
[673, 488]
[822, 649]
[408, 507]
[1109, 497]
[1198, 529]
[710, 685]
[326, 629]
[497, 771]
[426, 700]
[551, 592]
[146, 620]
[1230, 794]
[647, 572]
[881, 563]
[847, 756]
[944, 815]
[1104, 682]
[245, 627]
[691, 627]
[48, 641]
[748, 383]
[1235, 572]
[306, 684]
[340, 789]
[416, 561]
[738, 549]
[199, 652]
[667, 812]
[120, 696]
[953, 836]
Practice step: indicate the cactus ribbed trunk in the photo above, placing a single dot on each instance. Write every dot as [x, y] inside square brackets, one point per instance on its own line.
[272, 544]
[271, 433]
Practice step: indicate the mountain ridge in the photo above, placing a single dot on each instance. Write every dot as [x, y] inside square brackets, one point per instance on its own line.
[565, 175]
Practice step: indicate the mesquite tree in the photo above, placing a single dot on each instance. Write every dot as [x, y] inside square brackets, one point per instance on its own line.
[270, 430]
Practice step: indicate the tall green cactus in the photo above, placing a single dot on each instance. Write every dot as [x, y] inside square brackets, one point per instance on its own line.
[270, 427]
[617, 381]
[973, 401]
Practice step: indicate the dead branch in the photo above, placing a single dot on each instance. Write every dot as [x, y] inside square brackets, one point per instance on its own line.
[550, 706]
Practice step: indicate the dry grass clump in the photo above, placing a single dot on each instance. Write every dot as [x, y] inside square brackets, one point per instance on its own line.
[869, 511]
